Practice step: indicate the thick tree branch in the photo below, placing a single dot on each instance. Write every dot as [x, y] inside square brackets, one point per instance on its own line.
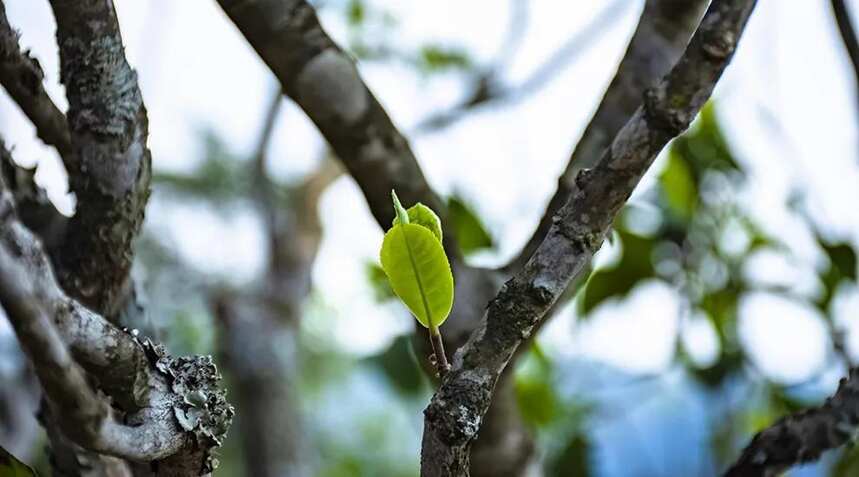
[176, 413]
[803, 437]
[455, 413]
[111, 172]
[660, 38]
[324, 81]
[22, 76]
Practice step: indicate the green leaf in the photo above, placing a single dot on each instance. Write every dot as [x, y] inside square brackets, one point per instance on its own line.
[678, 187]
[355, 12]
[842, 257]
[400, 367]
[417, 268]
[435, 58]
[379, 281]
[12, 467]
[471, 235]
[424, 216]
[634, 267]
[574, 460]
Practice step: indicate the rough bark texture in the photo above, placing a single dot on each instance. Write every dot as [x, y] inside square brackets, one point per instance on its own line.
[185, 415]
[804, 436]
[22, 76]
[660, 38]
[111, 172]
[455, 413]
[324, 81]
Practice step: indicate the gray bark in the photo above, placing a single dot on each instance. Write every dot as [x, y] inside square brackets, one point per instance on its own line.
[180, 414]
[660, 38]
[803, 437]
[22, 76]
[111, 169]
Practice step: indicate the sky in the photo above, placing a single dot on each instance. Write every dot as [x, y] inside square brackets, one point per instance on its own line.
[787, 103]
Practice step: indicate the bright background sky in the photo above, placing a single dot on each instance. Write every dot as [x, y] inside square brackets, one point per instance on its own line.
[787, 102]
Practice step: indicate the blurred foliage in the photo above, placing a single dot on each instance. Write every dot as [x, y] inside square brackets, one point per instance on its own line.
[378, 282]
[560, 420]
[400, 367]
[10, 466]
[437, 58]
[847, 464]
[471, 234]
[220, 175]
[695, 236]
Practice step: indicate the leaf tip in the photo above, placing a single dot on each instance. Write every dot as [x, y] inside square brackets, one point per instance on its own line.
[398, 208]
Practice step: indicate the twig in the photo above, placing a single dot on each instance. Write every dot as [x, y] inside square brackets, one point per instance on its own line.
[848, 37]
[22, 77]
[803, 437]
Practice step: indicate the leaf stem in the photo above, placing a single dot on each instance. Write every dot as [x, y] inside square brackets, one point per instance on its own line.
[438, 358]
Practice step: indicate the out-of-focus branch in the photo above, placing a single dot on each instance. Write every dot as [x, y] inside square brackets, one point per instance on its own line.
[324, 81]
[803, 437]
[455, 413]
[257, 348]
[111, 171]
[22, 76]
[848, 37]
[489, 88]
[659, 40]
[258, 328]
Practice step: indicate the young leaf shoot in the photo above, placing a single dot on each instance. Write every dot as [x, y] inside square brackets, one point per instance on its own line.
[417, 268]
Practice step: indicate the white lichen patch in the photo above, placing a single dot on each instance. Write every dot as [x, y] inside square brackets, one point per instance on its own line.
[329, 87]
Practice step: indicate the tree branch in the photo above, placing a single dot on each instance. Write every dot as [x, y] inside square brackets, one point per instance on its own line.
[848, 37]
[324, 81]
[175, 411]
[803, 437]
[454, 415]
[660, 38]
[22, 76]
[111, 171]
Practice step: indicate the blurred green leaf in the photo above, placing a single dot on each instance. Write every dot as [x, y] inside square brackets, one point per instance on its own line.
[842, 267]
[435, 58]
[10, 466]
[848, 464]
[704, 148]
[538, 403]
[574, 460]
[355, 12]
[728, 363]
[634, 267]
[678, 187]
[379, 282]
[842, 257]
[471, 234]
[400, 367]
[720, 306]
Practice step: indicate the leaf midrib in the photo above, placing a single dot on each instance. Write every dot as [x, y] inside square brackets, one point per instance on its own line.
[417, 277]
